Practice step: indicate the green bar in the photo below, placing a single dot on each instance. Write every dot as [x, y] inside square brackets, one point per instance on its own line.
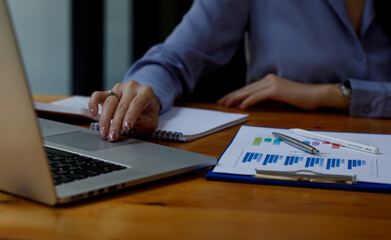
[257, 141]
[268, 139]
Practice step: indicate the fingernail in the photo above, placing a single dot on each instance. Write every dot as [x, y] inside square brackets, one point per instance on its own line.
[103, 131]
[113, 136]
[127, 126]
[92, 112]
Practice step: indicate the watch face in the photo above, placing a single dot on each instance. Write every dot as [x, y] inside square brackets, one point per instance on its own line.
[347, 94]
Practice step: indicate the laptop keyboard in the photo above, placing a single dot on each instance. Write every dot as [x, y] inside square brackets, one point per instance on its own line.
[68, 167]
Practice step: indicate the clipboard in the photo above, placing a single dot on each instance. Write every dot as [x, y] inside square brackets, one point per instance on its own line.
[359, 186]
[301, 178]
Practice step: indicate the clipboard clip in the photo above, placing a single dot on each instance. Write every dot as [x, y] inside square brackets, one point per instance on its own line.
[305, 176]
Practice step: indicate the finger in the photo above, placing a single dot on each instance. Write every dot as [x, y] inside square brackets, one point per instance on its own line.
[118, 118]
[236, 97]
[97, 97]
[147, 123]
[108, 109]
[253, 99]
[146, 103]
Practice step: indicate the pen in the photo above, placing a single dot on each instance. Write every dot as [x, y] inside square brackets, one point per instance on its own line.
[296, 143]
[342, 142]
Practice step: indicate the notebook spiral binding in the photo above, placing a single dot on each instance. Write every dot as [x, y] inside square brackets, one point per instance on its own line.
[158, 134]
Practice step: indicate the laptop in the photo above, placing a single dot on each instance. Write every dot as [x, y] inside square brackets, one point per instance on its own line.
[55, 163]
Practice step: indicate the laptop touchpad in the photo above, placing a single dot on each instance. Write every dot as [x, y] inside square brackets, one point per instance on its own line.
[83, 140]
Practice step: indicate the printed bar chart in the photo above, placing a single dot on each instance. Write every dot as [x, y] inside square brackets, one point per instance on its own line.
[271, 158]
[355, 163]
[312, 162]
[250, 156]
[279, 161]
[290, 160]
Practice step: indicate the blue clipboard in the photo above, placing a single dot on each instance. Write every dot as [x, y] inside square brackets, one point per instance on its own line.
[358, 186]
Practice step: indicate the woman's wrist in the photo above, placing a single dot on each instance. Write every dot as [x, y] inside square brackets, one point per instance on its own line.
[330, 95]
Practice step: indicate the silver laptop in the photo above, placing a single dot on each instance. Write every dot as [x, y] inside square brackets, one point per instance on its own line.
[55, 163]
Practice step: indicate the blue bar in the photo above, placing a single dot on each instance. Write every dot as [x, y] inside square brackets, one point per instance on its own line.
[312, 162]
[275, 158]
[245, 157]
[296, 159]
[259, 157]
[317, 161]
[359, 163]
[266, 159]
[301, 159]
[307, 163]
[354, 163]
[328, 164]
[292, 160]
[306, 142]
[321, 162]
[333, 163]
[251, 157]
[287, 160]
[349, 164]
[271, 159]
[338, 162]
[342, 160]
[276, 141]
[363, 162]
[256, 156]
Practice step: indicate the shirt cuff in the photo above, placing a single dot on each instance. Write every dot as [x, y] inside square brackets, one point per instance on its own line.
[369, 99]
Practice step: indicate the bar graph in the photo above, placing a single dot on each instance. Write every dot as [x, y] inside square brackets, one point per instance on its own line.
[250, 156]
[291, 160]
[281, 161]
[355, 163]
[271, 158]
[334, 163]
[313, 162]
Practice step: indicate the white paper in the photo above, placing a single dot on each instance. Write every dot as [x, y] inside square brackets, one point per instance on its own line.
[191, 122]
[367, 167]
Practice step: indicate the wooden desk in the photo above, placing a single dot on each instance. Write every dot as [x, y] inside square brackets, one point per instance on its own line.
[190, 207]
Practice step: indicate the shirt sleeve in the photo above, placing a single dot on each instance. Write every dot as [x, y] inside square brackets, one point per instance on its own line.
[370, 99]
[206, 39]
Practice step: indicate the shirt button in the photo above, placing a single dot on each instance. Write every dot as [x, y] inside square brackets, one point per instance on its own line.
[359, 56]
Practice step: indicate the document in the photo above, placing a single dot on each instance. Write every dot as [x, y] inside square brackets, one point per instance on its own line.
[256, 148]
[75, 106]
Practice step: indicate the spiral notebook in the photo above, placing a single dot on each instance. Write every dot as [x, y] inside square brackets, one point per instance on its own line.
[181, 124]
[184, 124]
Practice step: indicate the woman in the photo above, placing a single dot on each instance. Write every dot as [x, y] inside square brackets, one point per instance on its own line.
[310, 54]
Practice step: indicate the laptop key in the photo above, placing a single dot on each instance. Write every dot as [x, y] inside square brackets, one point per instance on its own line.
[68, 167]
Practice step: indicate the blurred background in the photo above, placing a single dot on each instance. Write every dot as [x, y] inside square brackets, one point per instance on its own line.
[74, 47]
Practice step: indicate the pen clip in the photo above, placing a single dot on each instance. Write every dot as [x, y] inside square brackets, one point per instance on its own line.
[305, 176]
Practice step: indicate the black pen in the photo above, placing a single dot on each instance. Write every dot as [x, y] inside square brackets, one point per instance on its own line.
[296, 143]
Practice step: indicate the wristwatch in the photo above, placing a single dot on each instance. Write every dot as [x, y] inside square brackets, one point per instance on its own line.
[347, 94]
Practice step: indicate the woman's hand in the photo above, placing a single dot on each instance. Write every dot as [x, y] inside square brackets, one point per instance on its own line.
[132, 106]
[306, 96]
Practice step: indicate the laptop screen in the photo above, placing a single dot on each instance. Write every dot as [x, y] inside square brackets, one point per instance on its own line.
[23, 165]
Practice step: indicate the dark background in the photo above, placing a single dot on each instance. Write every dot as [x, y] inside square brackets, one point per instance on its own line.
[153, 20]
